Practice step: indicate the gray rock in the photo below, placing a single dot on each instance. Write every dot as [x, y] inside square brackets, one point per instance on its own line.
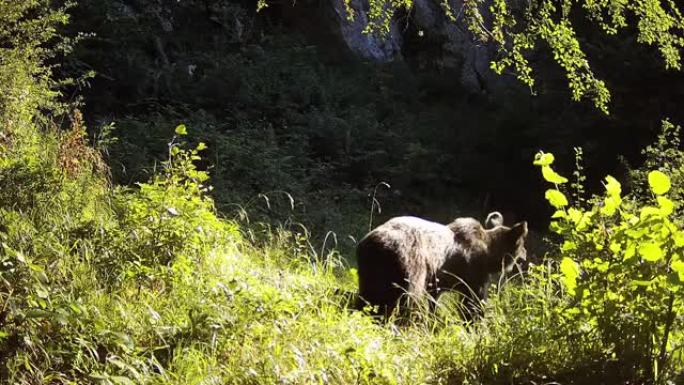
[376, 47]
[458, 48]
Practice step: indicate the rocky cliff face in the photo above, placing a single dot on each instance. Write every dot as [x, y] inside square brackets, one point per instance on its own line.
[452, 46]
[369, 46]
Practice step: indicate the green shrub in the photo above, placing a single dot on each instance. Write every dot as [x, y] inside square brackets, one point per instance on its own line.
[621, 263]
[170, 217]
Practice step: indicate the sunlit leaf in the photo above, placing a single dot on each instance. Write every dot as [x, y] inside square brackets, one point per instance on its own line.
[610, 205]
[677, 266]
[543, 159]
[642, 283]
[659, 182]
[568, 246]
[649, 211]
[570, 272]
[630, 251]
[574, 215]
[181, 130]
[678, 238]
[585, 220]
[551, 176]
[651, 252]
[615, 247]
[556, 198]
[558, 214]
[612, 186]
[666, 205]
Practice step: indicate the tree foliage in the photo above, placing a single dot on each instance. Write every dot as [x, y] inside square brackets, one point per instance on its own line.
[518, 28]
[28, 39]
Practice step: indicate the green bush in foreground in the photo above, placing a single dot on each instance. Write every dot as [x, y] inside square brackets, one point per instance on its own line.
[621, 263]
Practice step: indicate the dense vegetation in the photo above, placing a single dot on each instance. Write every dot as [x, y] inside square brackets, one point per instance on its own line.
[329, 128]
[148, 282]
[518, 28]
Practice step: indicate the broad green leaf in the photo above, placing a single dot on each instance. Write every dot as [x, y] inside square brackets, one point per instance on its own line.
[568, 246]
[574, 215]
[551, 176]
[651, 252]
[610, 205]
[666, 205]
[543, 159]
[558, 214]
[649, 211]
[678, 238]
[585, 221]
[570, 272]
[677, 266]
[630, 251]
[613, 187]
[601, 265]
[555, 227]
[181, 130]
[615, 247]
[556, 198]
[659, 182]
[201, 146]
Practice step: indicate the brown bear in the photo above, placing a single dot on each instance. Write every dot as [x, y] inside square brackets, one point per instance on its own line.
[409, 256]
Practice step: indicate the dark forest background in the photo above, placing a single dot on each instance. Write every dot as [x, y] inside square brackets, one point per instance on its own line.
[286, 107]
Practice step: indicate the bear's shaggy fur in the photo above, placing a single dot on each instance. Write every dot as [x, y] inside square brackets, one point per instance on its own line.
[412, 256]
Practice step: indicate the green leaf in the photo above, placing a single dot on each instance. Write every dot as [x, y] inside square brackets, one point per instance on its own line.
[570, 271]
[568, 246]
[649, 211]
[585, 221]
[556, 198]
[574, 215]
[630, 252]
[610, 205]
[181, 130]
[558, 214]
[666, 205]
[543, 159]
[201, 146]
[659, 182]
[678, 238]
[678, 266]
[612, 186]
[551, 176]
[641, 283]
[651, 252]
[615, 247]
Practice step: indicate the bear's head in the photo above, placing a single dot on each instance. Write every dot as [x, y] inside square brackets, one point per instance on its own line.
[506, 245]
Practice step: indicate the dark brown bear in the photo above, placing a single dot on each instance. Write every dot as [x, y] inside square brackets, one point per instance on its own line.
[409, 256]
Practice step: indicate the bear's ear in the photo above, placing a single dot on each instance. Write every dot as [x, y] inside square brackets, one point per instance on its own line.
[519, 230]
[494, 219]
